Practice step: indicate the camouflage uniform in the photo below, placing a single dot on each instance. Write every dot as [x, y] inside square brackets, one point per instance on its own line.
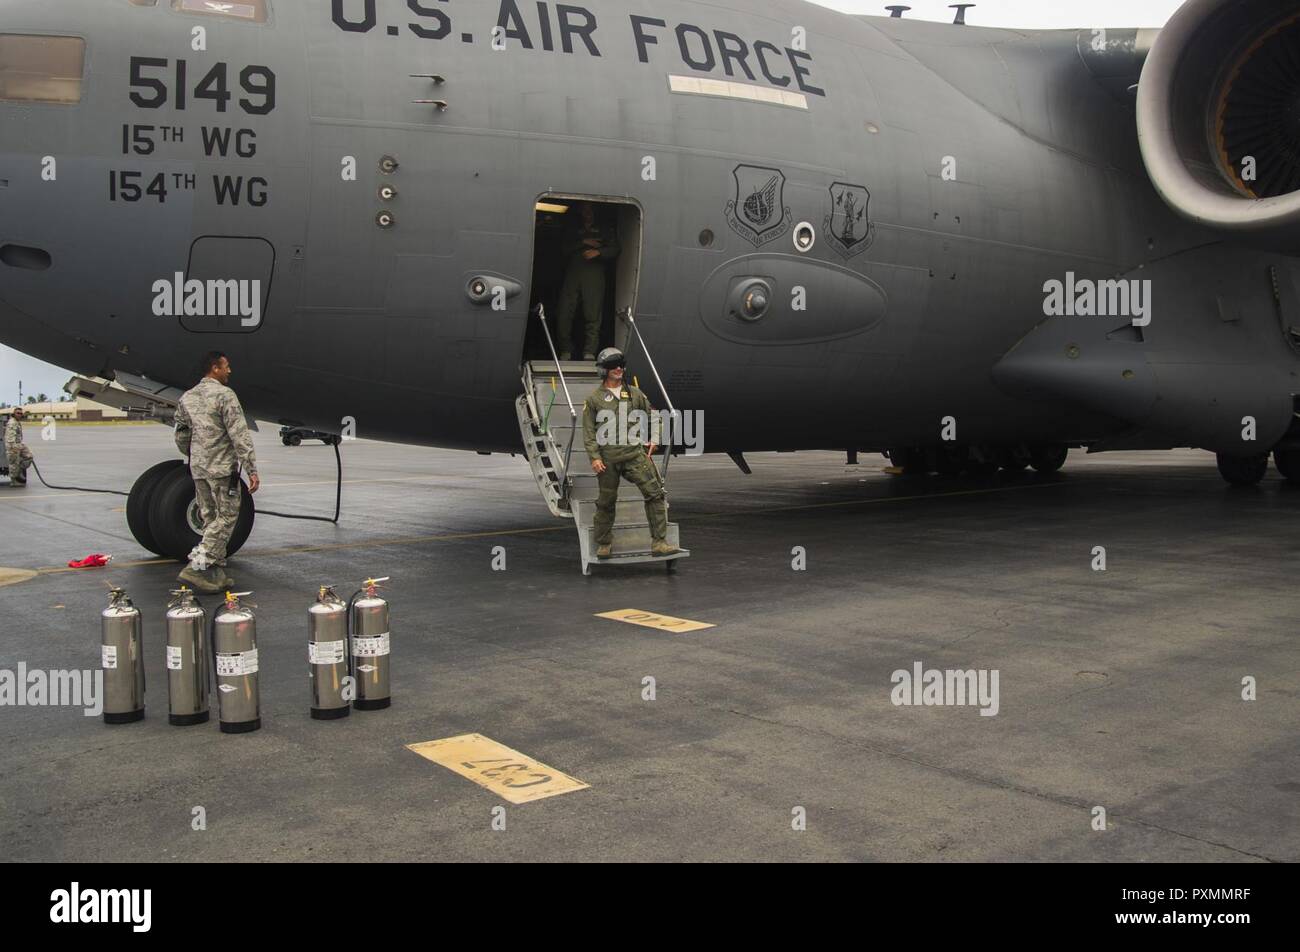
[19, 456]
[212, 432]
[585, 279]
[627, 459]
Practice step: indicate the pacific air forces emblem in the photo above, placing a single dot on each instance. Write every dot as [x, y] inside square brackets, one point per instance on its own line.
[848, 227]
[759, 213]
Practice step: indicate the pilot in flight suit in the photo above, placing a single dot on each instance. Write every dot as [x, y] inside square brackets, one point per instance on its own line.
[624, 456]
[588, 247]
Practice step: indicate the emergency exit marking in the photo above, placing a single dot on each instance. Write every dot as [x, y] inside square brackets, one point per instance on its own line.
[650, 620]
[505, 772]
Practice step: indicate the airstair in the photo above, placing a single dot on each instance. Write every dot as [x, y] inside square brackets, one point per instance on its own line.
[550, 423]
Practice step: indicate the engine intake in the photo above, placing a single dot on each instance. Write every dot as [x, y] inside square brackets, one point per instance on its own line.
[1218, 111]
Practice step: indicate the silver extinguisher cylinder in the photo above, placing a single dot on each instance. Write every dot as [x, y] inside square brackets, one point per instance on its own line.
[235, 664]
[371, 650]
[327, 655]
[122, 660]
[188, 666]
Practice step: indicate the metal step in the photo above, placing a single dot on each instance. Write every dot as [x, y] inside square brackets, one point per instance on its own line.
[632, 539]
[628, 511]
[631, 546]
[544, 459]
[573, 369]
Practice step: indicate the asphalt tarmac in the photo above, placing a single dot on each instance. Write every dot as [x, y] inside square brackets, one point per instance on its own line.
[1119, 689]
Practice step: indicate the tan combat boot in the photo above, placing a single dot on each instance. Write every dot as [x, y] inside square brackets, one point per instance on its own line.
[661, 548]
[204, 581]
[604, 551]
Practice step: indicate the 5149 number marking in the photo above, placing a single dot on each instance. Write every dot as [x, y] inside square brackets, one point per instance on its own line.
[149, 91]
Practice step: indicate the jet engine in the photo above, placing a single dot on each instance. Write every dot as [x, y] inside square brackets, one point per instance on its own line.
[1218, 113]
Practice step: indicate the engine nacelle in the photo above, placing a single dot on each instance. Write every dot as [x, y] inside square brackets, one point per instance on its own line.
[1218, 111]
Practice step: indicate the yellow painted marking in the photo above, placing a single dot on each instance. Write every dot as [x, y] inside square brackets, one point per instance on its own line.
[507, 773]
[14, 576]
[634, 616]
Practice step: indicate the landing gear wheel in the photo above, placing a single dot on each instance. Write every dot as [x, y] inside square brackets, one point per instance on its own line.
[1243, 470]
[137, 504]
[1288, 464]
[1048, 459]
[174, 517]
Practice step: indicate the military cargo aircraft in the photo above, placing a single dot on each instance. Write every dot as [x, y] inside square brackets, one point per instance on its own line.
[963, 247]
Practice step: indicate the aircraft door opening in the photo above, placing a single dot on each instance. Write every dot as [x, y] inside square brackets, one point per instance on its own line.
[586, 267]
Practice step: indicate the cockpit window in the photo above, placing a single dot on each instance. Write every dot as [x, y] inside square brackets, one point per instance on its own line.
[252, 10]
[41, 68]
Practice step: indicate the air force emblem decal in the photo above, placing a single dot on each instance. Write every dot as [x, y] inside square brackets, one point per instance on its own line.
[848, 226]
[759, 213]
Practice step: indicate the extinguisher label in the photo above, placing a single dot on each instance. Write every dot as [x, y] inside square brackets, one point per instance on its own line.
[327, 652]
[109, 656]
[175, 657]
[235, 665]
[374, 647]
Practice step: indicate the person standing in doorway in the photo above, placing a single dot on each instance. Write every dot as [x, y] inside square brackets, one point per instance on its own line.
[588, 248]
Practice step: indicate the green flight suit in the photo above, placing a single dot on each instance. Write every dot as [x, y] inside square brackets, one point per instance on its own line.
[585, 280]
[622, 449]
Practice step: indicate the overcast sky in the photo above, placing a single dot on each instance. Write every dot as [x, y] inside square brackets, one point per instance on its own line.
[1038, 14]
[1042, 14]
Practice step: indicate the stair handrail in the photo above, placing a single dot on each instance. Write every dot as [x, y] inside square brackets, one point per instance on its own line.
[568, 397]
[628, 316]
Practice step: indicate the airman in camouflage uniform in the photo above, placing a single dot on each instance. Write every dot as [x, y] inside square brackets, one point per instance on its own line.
[624, 456]
[212, 432]
[19, 456]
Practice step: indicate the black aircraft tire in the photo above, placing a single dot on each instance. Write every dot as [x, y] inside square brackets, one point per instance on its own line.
[1243, 470]
[1048, 459]
[1288, 464]
[137, 503]
[169, 517]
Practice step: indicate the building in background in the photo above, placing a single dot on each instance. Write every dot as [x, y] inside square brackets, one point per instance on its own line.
[79, 410]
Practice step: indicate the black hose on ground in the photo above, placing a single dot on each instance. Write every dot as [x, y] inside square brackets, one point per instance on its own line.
[75, 489]
[338, 497]
[338, 493]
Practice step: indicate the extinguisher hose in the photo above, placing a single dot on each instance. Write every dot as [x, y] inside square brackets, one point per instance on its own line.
[351, 632]
[212, 650]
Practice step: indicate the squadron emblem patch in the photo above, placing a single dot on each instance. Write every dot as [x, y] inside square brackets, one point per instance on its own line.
[759, 213]
[849, 227]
